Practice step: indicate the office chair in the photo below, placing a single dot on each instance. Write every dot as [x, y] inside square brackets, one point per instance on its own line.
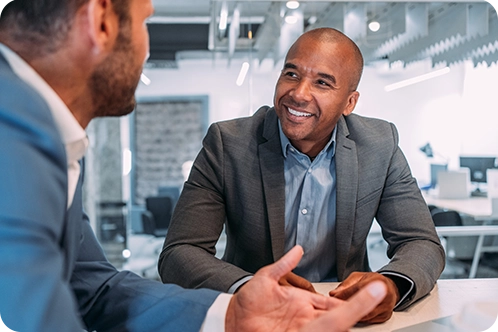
[441, 217]
[432, 207]
[156, 218]
[446, 217]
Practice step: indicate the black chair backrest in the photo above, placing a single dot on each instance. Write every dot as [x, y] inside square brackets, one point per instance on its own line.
[432, 207]
[148, 224]
[446, 218]
[161, 208]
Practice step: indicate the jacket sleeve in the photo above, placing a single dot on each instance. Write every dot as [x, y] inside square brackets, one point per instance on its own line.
[188, 257]
[413, 244]
[122, 301]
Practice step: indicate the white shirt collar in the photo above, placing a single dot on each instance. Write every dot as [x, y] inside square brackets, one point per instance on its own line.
[72, 134]
[69, 128]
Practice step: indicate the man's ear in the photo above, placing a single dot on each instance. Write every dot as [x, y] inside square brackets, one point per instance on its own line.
[352, 100]
[103, 25]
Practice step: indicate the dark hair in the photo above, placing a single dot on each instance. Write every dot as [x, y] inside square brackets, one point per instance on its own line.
[45, 23]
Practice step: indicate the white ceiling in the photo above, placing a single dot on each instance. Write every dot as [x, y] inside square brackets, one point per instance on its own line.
[447, 32]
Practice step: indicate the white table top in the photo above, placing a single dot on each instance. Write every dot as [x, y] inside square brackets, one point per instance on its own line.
[447, 298]
[477, 207]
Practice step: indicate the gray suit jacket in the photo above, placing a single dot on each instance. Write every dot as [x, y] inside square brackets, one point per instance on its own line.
[53, 273]
[238, 180]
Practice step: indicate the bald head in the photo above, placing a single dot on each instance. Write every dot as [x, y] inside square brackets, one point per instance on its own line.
[332, 36]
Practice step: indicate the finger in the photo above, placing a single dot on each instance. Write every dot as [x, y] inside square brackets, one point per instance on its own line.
[283, 282]
[347, 315]
[346, 292]
[310, 288]
[321, 302]
[284, 265]
[385, 309]
[339, 288]
[352, 279]
[299, 282]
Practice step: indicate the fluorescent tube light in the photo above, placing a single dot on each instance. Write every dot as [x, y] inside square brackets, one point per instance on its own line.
[145, 80]
[242, 74]
[126, 162]
[223, 16]
[417, 79]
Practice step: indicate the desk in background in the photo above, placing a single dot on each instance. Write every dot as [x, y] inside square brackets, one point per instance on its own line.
[447, 298]
[478, 208]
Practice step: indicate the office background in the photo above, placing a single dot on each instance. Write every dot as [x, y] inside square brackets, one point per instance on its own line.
[456, 112]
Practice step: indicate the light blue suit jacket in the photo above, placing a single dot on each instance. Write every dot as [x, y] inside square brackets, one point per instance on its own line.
[53, 273]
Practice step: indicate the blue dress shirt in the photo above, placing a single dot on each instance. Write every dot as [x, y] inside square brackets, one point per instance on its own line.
[310, 209]
[310, 213]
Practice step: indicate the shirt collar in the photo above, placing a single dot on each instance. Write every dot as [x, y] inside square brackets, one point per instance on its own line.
[286, 144]
[72, 134]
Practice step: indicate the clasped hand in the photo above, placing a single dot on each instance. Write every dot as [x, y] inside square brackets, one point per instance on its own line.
[356, 281]
[262, 304]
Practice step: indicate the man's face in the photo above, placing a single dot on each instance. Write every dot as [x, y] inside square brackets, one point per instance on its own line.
[115, 80]
[313, 90]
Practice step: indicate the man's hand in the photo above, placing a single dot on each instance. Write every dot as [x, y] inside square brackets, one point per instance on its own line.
[358, 280]
[291, 279]
[264, 305]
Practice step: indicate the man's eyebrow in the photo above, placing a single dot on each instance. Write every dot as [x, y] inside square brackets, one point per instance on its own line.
[328, 77]
[325, 76]
[289, 65]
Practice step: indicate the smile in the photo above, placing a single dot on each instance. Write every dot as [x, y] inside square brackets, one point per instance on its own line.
[297, 113]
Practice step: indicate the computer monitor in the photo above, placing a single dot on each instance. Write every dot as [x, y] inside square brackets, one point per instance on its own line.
[478, 167]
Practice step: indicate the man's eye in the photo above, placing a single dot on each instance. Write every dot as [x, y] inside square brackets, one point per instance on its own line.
[321, 82]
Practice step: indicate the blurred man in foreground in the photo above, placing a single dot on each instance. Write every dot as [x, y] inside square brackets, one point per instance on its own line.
[63, 63]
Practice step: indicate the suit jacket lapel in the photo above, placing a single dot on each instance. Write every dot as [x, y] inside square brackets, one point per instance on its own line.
[346, 160]
[272, 165]
[5, 67]
[72, 237]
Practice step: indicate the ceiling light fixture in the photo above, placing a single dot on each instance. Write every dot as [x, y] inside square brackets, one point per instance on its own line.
[417, 79]
[223, 17]
[242, 74]
[374, 26]
[292, 4]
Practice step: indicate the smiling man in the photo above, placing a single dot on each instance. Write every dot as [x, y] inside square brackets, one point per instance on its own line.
[306, 171]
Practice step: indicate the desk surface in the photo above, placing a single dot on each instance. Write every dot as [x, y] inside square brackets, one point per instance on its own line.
[447, 298]
[477, 207]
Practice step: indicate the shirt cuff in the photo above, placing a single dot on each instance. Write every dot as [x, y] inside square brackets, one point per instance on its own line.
[215, 317]
[239, 283]
[404, 291]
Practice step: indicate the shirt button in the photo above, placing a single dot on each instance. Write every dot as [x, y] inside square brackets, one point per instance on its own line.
[304, 211]
[309, 170]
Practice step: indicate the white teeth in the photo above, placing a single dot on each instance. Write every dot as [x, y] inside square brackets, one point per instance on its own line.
[296, 113]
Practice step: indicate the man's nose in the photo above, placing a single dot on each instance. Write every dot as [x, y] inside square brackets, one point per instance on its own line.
[302, 91]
